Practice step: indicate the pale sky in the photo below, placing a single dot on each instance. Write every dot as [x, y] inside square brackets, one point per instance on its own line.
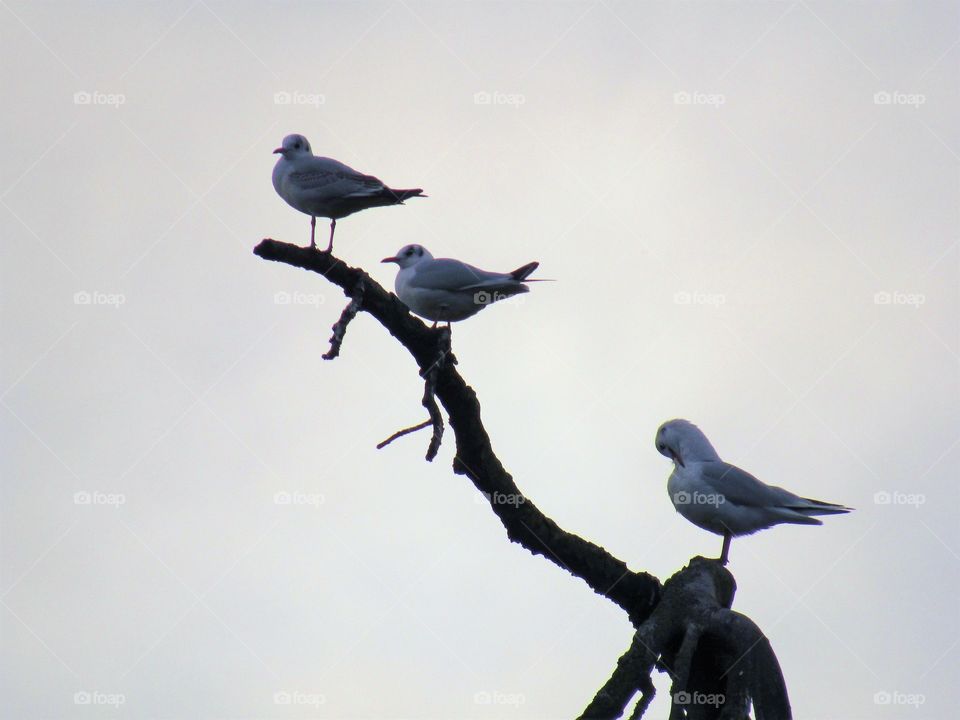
[751, 210]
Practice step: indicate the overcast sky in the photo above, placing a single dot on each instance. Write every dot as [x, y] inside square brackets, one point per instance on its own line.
[751, 209]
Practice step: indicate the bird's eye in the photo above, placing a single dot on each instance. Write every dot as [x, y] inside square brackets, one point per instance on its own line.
[409, 252]
[296, 145]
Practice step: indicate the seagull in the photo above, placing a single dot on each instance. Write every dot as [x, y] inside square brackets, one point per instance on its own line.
[322, 187]
[445, 290]
[722, 498]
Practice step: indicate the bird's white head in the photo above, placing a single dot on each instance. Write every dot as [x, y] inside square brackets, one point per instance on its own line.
[409, 255]
[684, 442]
[294, 145]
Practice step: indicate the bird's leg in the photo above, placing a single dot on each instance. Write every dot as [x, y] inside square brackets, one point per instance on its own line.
[333, 226]
[726, 548]
[313, 230]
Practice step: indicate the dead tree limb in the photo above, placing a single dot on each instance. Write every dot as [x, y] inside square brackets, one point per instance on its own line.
[340, 326]
[406, 431]
[685, 628]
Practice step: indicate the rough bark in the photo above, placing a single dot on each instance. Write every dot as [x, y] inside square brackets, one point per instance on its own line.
[685, 628]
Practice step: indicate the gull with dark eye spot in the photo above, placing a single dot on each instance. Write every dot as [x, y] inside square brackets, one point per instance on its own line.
[446, 290]
[722, 498]
[323, 187]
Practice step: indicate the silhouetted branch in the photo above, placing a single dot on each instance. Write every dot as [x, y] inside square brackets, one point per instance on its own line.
[685, 628]
[429, 390]
[340, 326]
[718, 659]
[401, 433]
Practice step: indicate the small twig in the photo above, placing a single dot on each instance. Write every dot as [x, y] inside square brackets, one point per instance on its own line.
[340, 326]
[405, 431]
[429, 388]
[648, 692]
[436, 419]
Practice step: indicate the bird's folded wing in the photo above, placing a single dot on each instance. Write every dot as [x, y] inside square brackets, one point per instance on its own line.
[334, 178]
[453, 275]
[741, 488]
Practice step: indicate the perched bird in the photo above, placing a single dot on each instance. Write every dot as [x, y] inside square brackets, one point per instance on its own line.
[722, 498]
[322, 187]
[445, 290]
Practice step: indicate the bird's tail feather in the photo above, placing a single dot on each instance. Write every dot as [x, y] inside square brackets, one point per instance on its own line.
[402, 195]
[521, 273]
[818, 507]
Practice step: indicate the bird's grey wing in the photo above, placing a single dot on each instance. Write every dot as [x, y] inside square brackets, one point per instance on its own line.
[332, 178]
[741, 488]
[448, 274]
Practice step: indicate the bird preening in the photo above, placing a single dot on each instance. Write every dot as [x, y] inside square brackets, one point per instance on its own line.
[323, 187]
[722, 498]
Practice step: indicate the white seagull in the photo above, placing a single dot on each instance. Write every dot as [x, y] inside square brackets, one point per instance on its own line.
[445, 290]
[722, 498]
[323, 187]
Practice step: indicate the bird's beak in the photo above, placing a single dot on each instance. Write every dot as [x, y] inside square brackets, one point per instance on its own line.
[391, 259]
[278, 150]
[676, 456]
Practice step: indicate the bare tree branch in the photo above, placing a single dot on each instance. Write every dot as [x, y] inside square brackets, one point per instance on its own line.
[340, 326]
[636, 592]
[406, 431]
[685, 628]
